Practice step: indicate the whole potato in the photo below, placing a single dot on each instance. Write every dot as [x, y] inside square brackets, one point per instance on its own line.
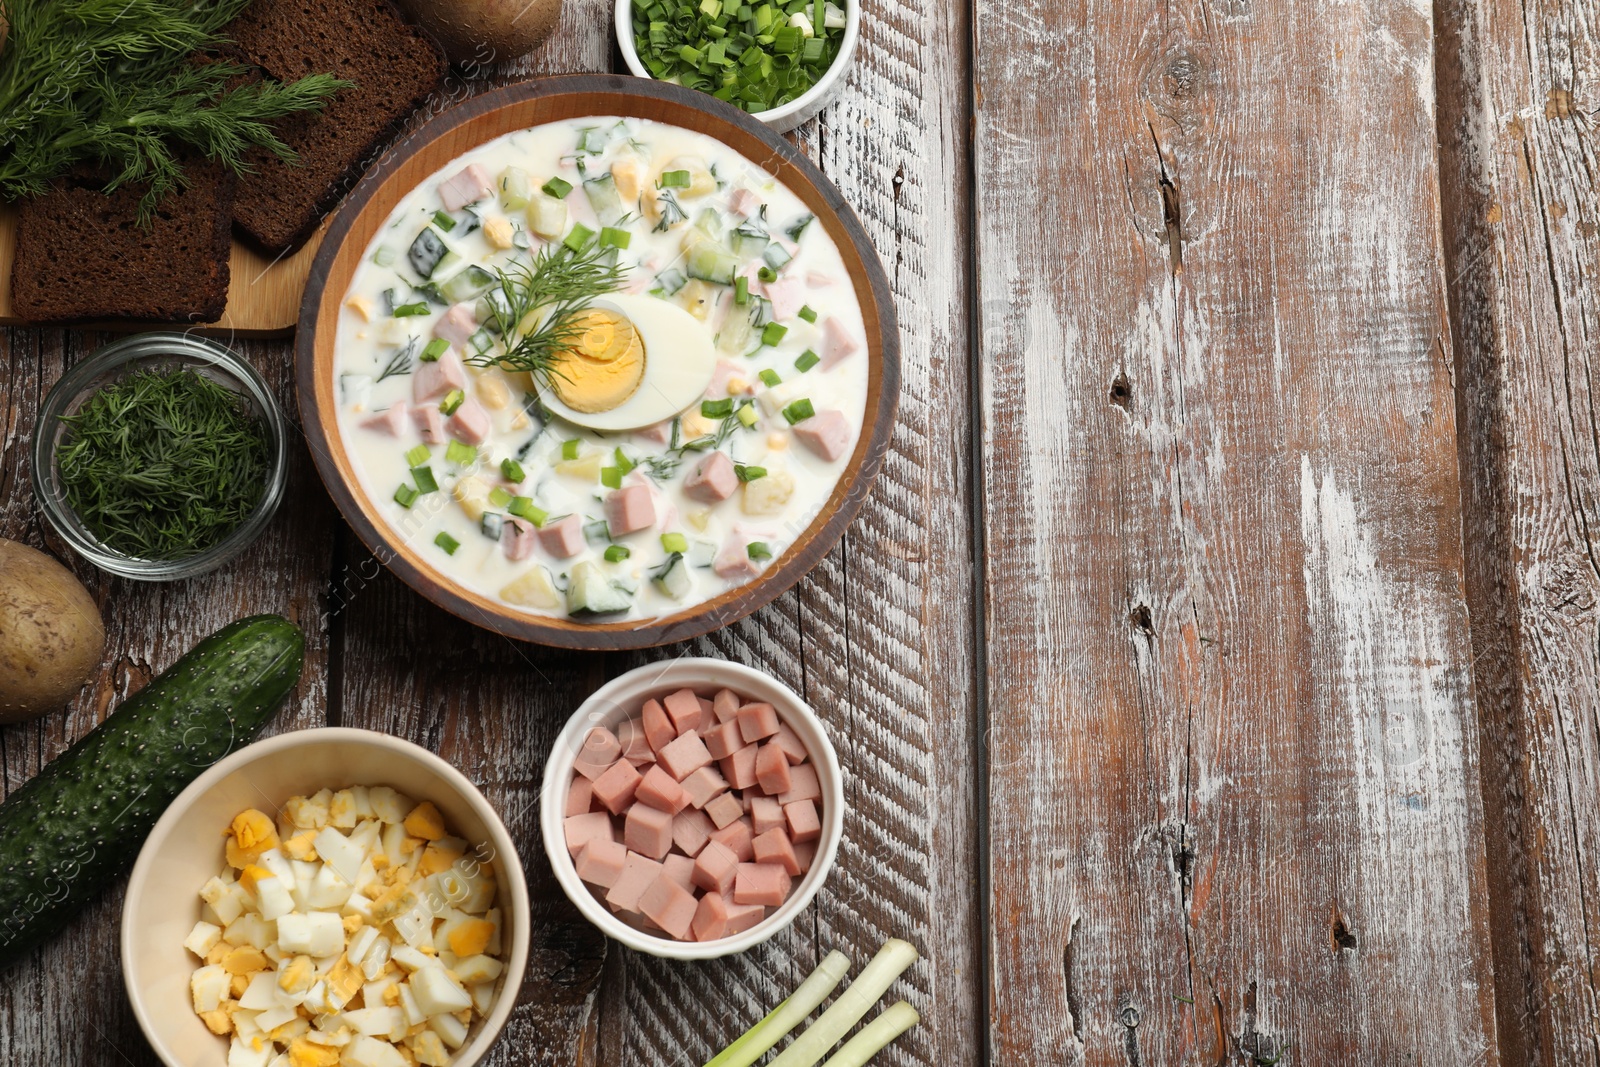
[485, 31]
[51, 635]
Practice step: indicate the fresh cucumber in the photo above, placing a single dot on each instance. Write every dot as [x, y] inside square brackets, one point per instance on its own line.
[79, 823]
[590, 592]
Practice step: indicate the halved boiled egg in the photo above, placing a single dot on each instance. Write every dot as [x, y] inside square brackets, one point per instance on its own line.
[635, 361]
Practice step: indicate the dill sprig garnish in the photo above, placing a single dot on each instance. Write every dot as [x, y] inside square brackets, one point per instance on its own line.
[400, 362]
[163, 465]
[561, 282]
[664, 466]
[117, 83]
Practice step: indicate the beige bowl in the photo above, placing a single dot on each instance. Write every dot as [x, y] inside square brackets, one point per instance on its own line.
[186, 848]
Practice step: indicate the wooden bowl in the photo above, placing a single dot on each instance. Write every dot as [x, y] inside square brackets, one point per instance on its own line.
[516, 107]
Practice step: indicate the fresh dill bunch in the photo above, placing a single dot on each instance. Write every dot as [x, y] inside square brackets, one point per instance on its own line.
[562, 282]
[163, 465]
[117, 83]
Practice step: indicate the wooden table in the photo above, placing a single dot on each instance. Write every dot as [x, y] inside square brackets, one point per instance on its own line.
[1214, 665]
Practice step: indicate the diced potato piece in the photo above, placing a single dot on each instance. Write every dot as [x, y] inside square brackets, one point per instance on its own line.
[493, 392]
[547, 216]
[701, 183]
[472, 493]
[585, 467]
[768, 495]
[698, 298]
[534, 588]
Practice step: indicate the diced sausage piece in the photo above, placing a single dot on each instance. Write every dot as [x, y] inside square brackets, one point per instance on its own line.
[827, 434]
[638, 873]
[738, 837]
[686, 755]
[517, 538]
[648, 831]
[430, 424]
[757, 722]
[733, 560]
[433, 379]
[723, 740]
[615, 788]
[742, 917]
[601, 862]
[599, 750]
[708, 716]
[715, 867]
[766, 814]
[591, 826]
[457, 324]
[467, 187]
[772, 770]
[803, 784]
[391, 420]
[471, 423]
[691, 830]
[670, 906]
[658, 728]
[710, 918]
[791, 744]
[804, 822]
[630, 509]
[712, 480]
[774, 846]
[726, 704]
[837, 344]
[680, 869]
[660, 790]
[684, 709]
[580, 796]
[740, 768]
[724, 810]
[563, 539]
[766, 884]
[659, 434]
[743, 203]
[805, 852]
[704, 785]
[786, 298]
[817, 279]
[635, 746]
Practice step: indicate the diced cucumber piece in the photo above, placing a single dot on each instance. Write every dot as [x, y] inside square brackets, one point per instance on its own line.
[603, 197]
[493, 309]
[737, 336]
[547, 216]
[590, 592]
[711, 262]
[471, 281]
[427, 252]
[516, 187]
[384, 256]
[672, 577]
[749, 242]
[597, 532]
[702, 553]
[776, 256]
[481, 341]
[469, 221]
[671, 280]
[491, 525]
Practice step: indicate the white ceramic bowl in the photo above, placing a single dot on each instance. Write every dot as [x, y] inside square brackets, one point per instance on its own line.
[797, 111]
[620, 699]
[186, 848]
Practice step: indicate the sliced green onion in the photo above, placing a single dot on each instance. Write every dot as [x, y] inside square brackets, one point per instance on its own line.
[417, 456]
[512, 471]
[770, 378]
[617, 553]
[557, 187]
[808, 313]
[446, 542]
[848, 1008]
[799, 411]
[462, 455]
[807, 360]
[673, 179]
[758, 550]
[452, 400]
[405, 311]
[747, 414]
[893, 1021]
[434, 349]
[405, 496]
[741, 290]
[749, 474]
[523, 508]
[716, 409]
[500, 497]
[443, 221]
[423, 476]
[624, 464]
[786, 1016]
[384, 256]
[569, 448]
[612, 237]
[578, 239]
[767, 274]
[611, 477]
[674, 542]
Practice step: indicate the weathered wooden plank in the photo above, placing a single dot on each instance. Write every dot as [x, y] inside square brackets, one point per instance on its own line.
[67, 1003]
[1519, 92]
[1233, 792]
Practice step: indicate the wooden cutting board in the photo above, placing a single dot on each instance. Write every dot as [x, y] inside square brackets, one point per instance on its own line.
[263, 293]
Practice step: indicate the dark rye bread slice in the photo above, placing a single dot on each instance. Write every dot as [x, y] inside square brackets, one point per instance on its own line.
[394, 66]
[82, 255]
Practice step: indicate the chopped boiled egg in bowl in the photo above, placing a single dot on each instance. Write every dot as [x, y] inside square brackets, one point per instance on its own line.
[326, 898]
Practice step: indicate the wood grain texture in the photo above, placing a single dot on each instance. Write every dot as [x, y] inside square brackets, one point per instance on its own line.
[1519, 91]
[1234, 809]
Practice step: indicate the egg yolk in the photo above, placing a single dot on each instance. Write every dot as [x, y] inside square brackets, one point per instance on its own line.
[604, 364]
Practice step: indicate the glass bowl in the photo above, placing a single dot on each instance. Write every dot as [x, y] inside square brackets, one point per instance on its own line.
[161, 352]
